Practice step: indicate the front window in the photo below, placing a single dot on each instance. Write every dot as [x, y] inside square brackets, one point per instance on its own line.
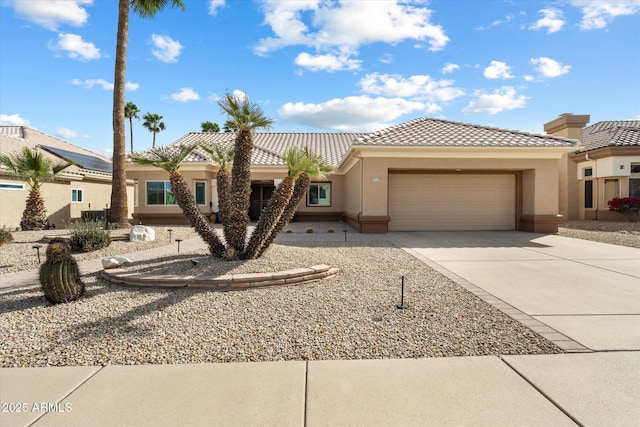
[159, 193]
[201, 198]
[588, 194]
[76, 195]
[611, 189]
[11, 186]
[634, 181]
[319, 194]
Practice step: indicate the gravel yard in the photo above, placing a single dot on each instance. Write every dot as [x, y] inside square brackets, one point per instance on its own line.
[350, 316]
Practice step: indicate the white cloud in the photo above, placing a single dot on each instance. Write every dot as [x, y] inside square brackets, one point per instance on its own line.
[50, 14]
[237, 93]
[75, 47]
[450, 68]
[552, 20]
[386, 58]
[344, 26]
[165, 48]
[186, 94]
[597, 14]
[105, 85]
[67, 133]
[214, 5]
[13, 120]
[352, 114]
[419, 87]
[494, 102]
[327, 62]
[498, 70]
[497, 22]
[549, 68]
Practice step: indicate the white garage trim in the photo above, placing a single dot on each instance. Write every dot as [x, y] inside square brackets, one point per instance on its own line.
[452, 202]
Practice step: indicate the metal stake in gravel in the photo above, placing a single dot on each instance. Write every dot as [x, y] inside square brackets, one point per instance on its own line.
[402, 305]
[37, 247]
[178, 240]
[170, 230]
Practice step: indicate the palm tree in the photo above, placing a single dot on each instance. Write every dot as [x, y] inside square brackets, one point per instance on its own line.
[36, 169]
[118, 214]
[229, 127]
[302, 164]
[245, 117]
[208, 126]
[154, 123]
[131, 112]
[170, 159]
[222, 157]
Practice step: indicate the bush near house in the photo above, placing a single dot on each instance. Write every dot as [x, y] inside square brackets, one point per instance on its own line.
[5, 235]
[628, 206]
[88, 235]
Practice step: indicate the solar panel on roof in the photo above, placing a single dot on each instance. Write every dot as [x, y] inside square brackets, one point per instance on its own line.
[82, 160]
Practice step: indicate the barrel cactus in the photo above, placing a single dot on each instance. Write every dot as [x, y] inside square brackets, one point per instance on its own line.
[59, 275]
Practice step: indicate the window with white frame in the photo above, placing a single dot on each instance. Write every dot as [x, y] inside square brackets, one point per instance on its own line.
[634, 180]
[319, 194]
[200, 192]
[159, 193]
[77, 195]
[11, 186]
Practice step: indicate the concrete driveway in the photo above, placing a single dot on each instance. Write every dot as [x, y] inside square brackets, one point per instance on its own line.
[588, 291]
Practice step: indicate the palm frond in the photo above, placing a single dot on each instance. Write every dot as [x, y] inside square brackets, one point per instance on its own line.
[303, 160]
[221, 155]
[244, 115]
[168, 158]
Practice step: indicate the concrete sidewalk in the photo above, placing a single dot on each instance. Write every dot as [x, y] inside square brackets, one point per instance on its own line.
[587, 389]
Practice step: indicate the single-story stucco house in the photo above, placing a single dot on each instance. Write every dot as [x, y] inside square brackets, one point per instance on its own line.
[607, 165]
[85, 186]
[425, 174]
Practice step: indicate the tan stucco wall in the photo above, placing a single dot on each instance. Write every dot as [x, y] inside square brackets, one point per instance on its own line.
[353, 189]
[57, 198]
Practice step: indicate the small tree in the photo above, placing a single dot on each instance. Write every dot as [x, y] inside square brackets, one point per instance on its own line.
[131, 112]
[36, 169]
[209, 127]
[154, 123]
[627, 206]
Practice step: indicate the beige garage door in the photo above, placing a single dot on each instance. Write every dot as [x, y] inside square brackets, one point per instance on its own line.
[452, 202]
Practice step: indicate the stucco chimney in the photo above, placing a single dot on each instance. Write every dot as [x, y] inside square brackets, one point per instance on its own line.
[567, 125]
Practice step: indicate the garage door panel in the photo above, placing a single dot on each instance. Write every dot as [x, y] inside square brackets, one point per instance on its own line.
[452, 202]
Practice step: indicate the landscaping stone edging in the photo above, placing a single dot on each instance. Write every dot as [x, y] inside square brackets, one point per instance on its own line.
[222, 283]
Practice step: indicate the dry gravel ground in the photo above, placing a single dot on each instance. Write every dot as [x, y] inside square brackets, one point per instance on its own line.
[350, 316]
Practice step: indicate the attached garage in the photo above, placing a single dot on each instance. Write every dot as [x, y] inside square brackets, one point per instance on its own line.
[434, 201]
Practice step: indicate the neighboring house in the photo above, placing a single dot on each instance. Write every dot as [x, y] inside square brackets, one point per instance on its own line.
[605, 167]
[426, 174]
[85, 186]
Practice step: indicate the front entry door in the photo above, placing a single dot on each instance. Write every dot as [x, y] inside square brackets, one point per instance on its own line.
[260, 195]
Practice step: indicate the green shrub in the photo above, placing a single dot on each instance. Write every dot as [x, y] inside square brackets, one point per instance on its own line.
[331, 230]
[289, 231]
[309, 230]
[5, 235]
[88, 235]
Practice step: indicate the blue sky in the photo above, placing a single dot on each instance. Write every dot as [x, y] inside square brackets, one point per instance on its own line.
[320, 65]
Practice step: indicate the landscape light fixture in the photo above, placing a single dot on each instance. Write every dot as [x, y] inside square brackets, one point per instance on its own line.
[402, 305]
[178, 240]
[170, 230]
[345, 234]
[37, 247]
[195, 262]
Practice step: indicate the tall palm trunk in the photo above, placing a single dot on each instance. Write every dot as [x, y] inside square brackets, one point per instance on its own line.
[131, 132]
[119, 209]
[223, 181]
[236, 227]
[35, 213]
[153, 145]
[269, 218]
[299, 192]
[187, 203]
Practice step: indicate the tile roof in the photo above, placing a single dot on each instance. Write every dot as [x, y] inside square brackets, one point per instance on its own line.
[269, 146]
[625, 133]
[426, 132]
[14, 138]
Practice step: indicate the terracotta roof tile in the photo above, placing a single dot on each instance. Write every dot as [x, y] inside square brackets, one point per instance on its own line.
[624, 133]
[425, 132]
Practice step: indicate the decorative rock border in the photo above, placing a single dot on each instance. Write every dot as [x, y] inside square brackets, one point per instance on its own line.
[225, 282]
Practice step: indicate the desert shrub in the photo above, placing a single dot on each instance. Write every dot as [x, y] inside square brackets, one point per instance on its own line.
[289, 230]
[330, 230]
[627, 206]
[309, 230]
[59, 275]
[5, 235]
[88, 235]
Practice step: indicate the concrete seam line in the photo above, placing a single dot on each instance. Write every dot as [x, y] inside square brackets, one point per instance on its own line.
[306, 392]
[539, 390]
[68, 394]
